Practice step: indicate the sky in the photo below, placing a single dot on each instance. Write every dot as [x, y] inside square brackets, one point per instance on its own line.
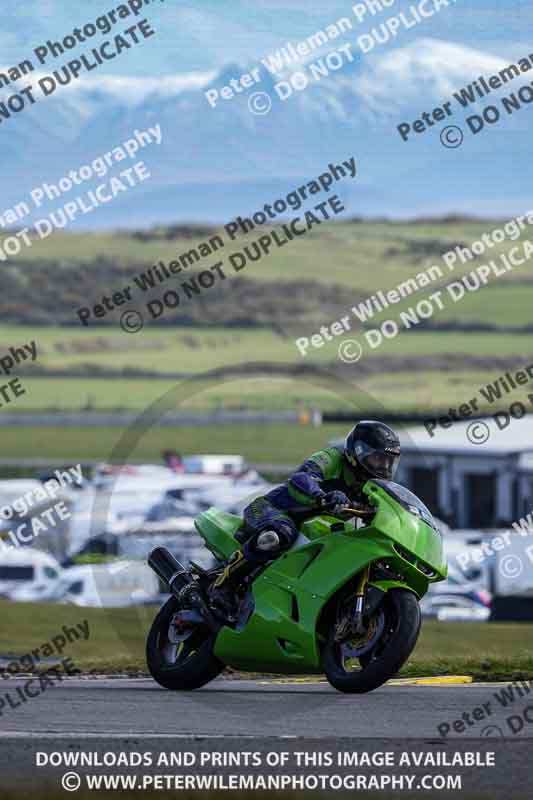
[356, 109]
[204, 36]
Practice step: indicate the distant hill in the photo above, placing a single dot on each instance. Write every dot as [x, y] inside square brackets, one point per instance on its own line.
[313, 281]
[214, 163]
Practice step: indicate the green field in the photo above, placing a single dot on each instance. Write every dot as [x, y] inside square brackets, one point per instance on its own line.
[165, 350]
[396, 392]
[281, 444]
[494, 651]
[364, 255]
[248, 332]
[453, 367]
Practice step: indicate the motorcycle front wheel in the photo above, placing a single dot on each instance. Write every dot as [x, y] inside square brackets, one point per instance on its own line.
[352, 667]
[184, 665]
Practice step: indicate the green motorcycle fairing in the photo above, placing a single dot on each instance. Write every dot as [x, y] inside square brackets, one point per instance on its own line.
[283, 633]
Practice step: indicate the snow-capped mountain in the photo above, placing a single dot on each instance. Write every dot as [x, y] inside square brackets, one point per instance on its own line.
[214, 163]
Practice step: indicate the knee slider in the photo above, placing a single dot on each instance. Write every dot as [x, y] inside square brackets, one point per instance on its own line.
[268, 541]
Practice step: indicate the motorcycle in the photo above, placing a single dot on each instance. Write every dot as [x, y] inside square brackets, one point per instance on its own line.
[343, 601]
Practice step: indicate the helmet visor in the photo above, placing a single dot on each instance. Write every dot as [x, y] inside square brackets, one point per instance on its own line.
[378, 463]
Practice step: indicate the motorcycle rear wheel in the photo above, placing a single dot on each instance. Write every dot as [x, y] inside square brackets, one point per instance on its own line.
[391, 651]
[183, 667]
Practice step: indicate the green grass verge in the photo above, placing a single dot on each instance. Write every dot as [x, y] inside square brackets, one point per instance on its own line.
[497, 651]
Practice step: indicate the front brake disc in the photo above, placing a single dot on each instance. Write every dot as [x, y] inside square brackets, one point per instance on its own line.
[359, 645]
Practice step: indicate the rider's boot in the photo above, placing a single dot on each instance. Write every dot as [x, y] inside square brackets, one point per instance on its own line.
[223, 590]
[238, 567]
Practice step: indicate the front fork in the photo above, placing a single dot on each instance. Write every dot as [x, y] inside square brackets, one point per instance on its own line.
[360, 592]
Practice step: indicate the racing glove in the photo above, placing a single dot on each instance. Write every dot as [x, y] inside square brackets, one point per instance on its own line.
[336, 502]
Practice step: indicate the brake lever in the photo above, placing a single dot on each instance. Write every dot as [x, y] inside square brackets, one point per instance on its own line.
[358, 512]
[355, 512]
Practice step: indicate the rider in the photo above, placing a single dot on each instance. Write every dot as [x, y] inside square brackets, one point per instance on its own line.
[333, 477]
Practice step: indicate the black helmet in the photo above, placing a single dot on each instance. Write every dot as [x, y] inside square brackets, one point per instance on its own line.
[374, 447]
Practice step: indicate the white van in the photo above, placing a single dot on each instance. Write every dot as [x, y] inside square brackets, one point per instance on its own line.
[29, 575]
[114, 584]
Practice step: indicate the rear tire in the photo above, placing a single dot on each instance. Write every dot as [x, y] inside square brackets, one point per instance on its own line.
[402, 627]
[194, 666]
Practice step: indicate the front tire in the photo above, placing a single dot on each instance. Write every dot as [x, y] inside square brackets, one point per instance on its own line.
[391, 651]
[183, 667]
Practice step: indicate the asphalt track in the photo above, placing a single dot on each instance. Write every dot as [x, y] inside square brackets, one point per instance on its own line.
[229, 718]
[125, 707]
